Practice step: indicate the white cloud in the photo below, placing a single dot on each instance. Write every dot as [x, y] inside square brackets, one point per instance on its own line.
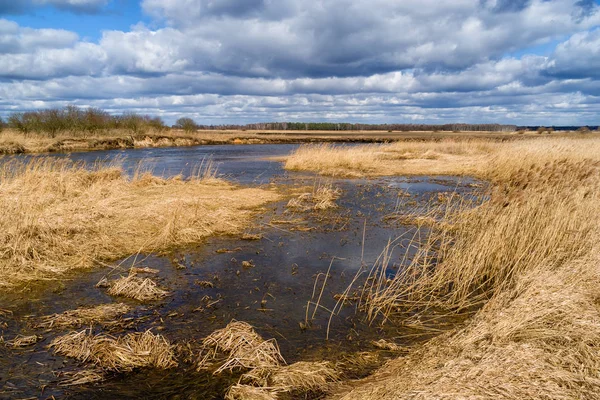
[373, 61]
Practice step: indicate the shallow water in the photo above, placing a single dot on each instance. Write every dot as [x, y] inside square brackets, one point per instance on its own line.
[287, 260]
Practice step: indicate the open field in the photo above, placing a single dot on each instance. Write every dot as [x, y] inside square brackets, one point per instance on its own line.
[14, 142]
[59, 216]
[527, 260]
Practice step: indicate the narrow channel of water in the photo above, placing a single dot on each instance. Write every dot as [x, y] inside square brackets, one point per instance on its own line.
[272, 296]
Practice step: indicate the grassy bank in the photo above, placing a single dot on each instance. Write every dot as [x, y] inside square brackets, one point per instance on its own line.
[527, 260]
[57, 216]
[14, 142]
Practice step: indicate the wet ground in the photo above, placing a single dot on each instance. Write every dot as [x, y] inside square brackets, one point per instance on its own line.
[272, 295]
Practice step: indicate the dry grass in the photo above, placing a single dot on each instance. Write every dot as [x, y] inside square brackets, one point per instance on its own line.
[477, 157]
[134, 287]
[246, 392]
[243, 347]
[84, 377]
[527, 260]
[134, 350]
[298, 377]
[322, 197]
[103, 314]
[23, 341]
[58, 216]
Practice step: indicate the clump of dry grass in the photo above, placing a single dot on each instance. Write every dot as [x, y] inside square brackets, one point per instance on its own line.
[243, 347]
[23, 341]
[58, 216]
[246, 392]
[132, 286]
[125, 353]
[298, 377]
[322, 197]
[104, 313]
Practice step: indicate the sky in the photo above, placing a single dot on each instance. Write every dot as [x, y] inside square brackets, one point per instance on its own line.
[524, 62]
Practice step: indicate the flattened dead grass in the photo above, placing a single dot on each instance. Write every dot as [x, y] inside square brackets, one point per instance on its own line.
[104, 313]
[243, 348]
[134, 287]
[125, 353]
[298, 377]
[58, 216]
[323, 197]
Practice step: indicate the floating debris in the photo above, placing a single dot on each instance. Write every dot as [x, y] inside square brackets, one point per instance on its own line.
[23, 341]
[83, 377]
[250, 236]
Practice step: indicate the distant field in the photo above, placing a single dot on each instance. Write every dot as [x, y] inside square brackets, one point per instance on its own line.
[13, 142]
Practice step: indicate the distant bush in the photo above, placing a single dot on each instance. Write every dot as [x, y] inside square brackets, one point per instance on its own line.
[84, 122]
[583, 129]
[543, 129]
[187, 124]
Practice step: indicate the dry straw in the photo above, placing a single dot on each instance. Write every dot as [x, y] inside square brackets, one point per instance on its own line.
[243, 347]
[134, 350]
[104, 314]
[132, 286]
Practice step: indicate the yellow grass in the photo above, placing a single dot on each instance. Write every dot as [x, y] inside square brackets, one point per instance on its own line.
[243, 347]
[298, 377]
[136, 288]
[529, 257]
[125, 353]
[58, 216]
[104, 313]
[322, 197]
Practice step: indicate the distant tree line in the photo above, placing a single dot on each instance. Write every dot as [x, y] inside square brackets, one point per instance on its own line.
[89, 121]
[334, 126]
[80, 121]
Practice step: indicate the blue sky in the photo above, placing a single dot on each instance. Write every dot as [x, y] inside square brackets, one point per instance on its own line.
[239, 61]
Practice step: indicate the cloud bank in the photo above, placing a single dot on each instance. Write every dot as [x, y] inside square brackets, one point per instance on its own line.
[222, 61]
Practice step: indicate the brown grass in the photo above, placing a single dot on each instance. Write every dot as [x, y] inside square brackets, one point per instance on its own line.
[83, 377]
[23, 341]
[527, 260]
[322, 197]
[246, 392]
[125, 353]
[104, 313]
[58, 216]
[134, 287]
[243, 349]
[298, 377]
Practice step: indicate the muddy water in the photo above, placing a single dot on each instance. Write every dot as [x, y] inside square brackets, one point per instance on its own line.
[272, 295]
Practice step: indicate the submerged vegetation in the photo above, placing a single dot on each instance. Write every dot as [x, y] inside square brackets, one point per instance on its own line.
[59, 216]
[525, 263]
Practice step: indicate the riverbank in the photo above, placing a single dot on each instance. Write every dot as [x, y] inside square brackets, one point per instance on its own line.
[12, 142]
[59, 216]
[527, 260]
